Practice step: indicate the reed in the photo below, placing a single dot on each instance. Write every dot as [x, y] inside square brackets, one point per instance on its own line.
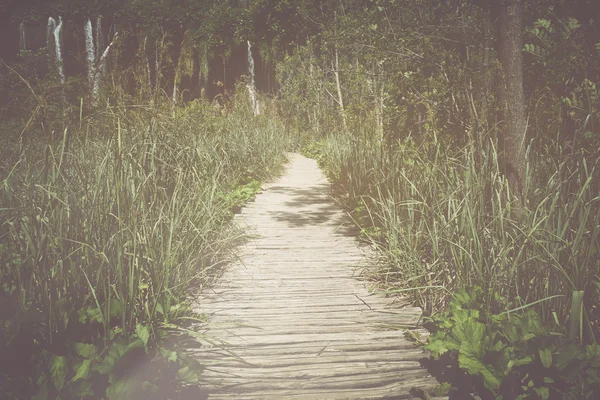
[105, 227]
[446, 220]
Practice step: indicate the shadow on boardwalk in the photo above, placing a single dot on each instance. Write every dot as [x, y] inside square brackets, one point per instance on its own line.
[291, 320]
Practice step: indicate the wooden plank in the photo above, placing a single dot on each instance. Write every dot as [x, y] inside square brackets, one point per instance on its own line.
[330, 382]
[315, 359]
[349, 371]
[292, 317]
[309, 349]
[395, 390]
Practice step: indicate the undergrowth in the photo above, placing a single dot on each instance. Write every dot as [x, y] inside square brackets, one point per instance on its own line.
[509, 354]
[445, 220]
[104, 226]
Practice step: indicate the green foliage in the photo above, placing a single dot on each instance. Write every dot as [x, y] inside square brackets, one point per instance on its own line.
[511, 355]
[563, 74]
[240, 194]
[445, 219]
[103, 231]
[314, 149]
[127, 367]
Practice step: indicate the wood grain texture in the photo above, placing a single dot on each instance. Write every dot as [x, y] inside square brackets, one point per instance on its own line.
[292, 318]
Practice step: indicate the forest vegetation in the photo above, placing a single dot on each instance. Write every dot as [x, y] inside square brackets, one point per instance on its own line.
[462, 136]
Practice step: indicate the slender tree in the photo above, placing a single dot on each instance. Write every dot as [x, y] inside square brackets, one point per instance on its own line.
[512, 100]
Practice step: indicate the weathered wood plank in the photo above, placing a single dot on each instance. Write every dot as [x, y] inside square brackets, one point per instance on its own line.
[366, 355]
[293, 318]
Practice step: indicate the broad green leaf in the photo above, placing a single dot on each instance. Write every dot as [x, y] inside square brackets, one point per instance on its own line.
[543, 392]
[546, 357]
[82, 389]
[188, 375]
[519, 362]
[116, 308]
[442, 389]
[58, 371]
[169, 355]
[115, 352]
[136, 344]
[191, 362]
[122, 389]
[474, 366]
[94, 315]
[82, 371]
[436, 347]
[527, 337]
[82, 315]
[86, 350]
[470, 335]
[143, 333]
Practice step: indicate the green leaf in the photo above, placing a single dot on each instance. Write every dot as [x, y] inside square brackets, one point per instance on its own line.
[575, 327]
[116, 308]
[136, 344]
[470, 335]
[115, 352]
[543, 392]
[474, 366]
[188, 375]
[573, 24]
[143, 333]
[83, 371]
[519, 362]
[169, 355]
[436, 347]
[442, 389]
[527, 337]
[82, 389]
[592, 354]
[546, 357]
[122, 389]
[86, 350]
[58, 371]
[92, 314]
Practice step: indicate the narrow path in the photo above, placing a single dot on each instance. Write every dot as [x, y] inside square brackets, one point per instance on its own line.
[297, 320]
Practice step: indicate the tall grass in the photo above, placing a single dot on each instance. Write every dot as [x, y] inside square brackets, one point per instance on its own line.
[446, 220]
[104, 227]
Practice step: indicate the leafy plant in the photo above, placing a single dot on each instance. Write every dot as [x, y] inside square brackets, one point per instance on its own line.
[240, 195]
[510, 355]
[129, 367]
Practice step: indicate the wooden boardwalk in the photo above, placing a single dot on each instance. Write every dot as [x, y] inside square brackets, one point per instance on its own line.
[296, 320]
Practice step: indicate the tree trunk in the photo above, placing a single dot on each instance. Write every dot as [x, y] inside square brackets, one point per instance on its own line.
[195, 81]
[339, 89]
[510, 43]
[485, 93]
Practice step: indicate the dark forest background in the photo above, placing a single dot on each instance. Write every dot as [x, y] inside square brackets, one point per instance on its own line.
[461, 135]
